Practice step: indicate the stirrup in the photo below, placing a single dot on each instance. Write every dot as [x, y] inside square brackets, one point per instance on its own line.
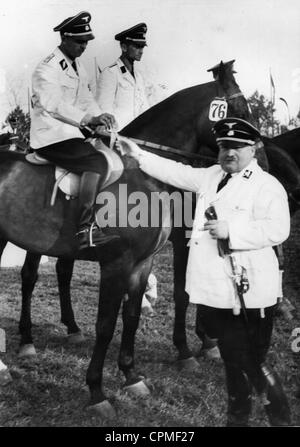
[90, 231]
[95, 233]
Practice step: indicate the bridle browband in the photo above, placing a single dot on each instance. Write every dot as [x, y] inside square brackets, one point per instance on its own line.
[235, 95]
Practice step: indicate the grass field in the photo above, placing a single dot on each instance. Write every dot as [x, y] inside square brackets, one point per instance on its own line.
[51, 390]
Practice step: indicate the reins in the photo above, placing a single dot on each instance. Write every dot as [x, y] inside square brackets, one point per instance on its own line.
[170, 150]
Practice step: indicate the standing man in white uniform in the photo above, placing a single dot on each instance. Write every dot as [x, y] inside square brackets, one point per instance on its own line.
[252, 215]
[121, 91]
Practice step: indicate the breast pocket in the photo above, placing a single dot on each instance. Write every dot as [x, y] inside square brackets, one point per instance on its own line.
[125, 85]
[227, 210]
[69, 86]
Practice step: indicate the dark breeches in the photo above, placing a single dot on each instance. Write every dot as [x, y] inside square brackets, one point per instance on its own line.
[75, 155]
[244, 351]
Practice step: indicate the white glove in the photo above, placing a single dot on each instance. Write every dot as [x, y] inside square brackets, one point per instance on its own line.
[127, 147]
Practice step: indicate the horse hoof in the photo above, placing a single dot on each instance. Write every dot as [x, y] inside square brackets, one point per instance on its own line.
[5, 377]
[27, 351]
[76, 338]
[189, 364]
[103, 409]
[137, 389]
[211, 353]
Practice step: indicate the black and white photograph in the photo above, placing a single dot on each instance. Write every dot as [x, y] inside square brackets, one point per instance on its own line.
[149, 216]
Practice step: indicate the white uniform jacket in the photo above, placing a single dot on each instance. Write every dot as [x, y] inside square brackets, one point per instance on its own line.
[121, 94]
[255, 206]
[61, 98]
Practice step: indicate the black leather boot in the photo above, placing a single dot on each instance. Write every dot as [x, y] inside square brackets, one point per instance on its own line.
[238, 415]
[276, 403]
[89, 234]
[239, 396]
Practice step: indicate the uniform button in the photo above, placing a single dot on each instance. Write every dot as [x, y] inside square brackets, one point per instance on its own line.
[196, 243]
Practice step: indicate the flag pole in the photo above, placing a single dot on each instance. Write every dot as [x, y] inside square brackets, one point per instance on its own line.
[272, 88]
[288, 109]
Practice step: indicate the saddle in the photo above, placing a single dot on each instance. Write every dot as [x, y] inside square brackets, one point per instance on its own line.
[69, 183]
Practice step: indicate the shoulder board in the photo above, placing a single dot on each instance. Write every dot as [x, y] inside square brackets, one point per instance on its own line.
[63, 64]
[113, 65]
[49, 58]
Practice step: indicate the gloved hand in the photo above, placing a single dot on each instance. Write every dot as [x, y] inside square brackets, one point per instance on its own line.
[105, 119]
[127, 147]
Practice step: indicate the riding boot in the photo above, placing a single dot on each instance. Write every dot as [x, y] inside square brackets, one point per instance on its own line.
[275, 400]
[89, 234]
[239, 397]
[238, 412]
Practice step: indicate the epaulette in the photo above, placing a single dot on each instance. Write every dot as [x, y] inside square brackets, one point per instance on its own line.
[63, 64]
[113, 65]
[49, 58]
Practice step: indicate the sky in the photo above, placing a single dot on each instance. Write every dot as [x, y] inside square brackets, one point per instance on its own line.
[185, 38]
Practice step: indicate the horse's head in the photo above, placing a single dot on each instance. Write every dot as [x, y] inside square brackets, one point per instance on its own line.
[237, 103]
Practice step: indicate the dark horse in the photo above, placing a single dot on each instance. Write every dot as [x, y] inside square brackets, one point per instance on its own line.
[181, 121]
[28, 220]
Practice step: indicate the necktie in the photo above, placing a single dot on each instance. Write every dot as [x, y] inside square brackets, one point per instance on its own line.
[224, 181]
[74, 66]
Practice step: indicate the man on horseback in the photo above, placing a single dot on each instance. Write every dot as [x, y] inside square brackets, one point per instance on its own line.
[121, 88]
[121, 91]
[252, 215]
[63, 106]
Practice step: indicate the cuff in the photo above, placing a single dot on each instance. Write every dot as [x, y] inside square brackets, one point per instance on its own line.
[85, 120]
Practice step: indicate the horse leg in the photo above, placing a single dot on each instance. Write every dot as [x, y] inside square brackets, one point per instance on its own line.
[29, 275]
[181, 299]
[284, 306]
[5, 377]
[64, 271]
[209, 348]
[131, 317]
[112, 290]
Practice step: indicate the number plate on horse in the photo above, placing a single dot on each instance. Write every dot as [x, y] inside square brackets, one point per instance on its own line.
[217, 110]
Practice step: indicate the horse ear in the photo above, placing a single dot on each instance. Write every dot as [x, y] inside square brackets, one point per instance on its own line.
[221, 70]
